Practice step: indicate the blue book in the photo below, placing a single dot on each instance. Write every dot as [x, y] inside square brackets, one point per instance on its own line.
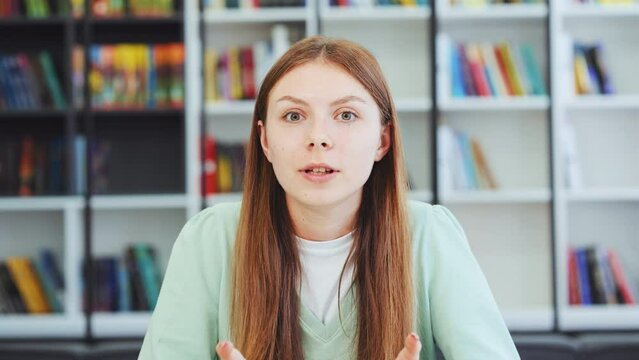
[50, 265]
[584, 277]
[456, 74]
[48, 285]
[147, 273]
[5, 82]
[124, 289]
[533, 71]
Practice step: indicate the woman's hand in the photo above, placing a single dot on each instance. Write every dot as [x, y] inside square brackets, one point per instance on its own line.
[226, 351]
[412, 347]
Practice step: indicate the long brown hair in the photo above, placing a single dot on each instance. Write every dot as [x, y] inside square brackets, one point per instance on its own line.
[266, 265]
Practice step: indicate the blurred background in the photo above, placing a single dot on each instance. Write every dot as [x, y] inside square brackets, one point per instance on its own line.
[121, 119]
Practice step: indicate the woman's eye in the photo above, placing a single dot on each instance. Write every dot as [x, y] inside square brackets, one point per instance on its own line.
[347, 116]
[293, 116]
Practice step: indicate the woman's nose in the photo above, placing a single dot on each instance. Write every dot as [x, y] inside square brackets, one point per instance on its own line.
[319, 137]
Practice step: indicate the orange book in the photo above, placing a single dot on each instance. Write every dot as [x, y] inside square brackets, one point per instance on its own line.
[27, 167]
[28, 284]
[501, 61]
[482, 166]
[511, 69]
[176, 66]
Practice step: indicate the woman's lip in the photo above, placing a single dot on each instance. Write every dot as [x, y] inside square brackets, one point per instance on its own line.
[319, 178]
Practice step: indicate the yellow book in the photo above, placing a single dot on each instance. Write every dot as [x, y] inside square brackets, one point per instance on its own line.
[141, 75]
[511, 69]
[210, 75]
[582, 78]
[407, 2]
[224, 173]
[130, 74]
[28, 284]
[235, 73]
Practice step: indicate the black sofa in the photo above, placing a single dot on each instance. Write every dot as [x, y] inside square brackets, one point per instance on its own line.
[606, 346]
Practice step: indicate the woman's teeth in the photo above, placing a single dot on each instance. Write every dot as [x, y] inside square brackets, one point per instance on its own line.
[319, 171]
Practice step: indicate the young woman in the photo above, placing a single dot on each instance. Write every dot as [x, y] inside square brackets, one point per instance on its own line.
[324, 258]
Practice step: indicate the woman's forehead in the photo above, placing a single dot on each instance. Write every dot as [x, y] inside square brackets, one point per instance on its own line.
[318, 81]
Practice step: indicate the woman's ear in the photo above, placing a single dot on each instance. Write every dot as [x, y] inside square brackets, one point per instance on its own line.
[384, 143]
[263, 140]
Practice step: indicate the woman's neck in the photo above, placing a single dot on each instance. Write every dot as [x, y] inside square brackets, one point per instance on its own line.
[321, 223]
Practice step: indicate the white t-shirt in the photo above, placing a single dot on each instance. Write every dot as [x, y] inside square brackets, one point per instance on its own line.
[322, 263]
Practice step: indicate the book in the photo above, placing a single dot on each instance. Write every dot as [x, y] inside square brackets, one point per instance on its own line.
[9, 285]
[26, 280]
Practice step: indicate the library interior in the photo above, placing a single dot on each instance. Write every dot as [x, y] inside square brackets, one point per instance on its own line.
[121, 120]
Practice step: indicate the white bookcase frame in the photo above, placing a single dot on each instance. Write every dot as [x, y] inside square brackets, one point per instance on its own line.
[519, 232]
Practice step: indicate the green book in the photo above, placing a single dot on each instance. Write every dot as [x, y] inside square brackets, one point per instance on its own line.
[51, 79]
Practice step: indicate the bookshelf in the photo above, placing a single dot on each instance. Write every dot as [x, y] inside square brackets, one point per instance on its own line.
[596, 191]
[151, 181]
[53, 218]
[509, 228]
[520, 232]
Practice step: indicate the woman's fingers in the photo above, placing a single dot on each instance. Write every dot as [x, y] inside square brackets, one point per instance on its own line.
[412, 347]
[227, 351]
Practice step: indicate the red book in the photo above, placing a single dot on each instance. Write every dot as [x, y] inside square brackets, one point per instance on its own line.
[573, 281]
[209, 171]
[248, 69]
[477, 70]
[620, 279]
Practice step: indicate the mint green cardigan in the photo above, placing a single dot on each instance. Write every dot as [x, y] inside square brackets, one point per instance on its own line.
[455, 307]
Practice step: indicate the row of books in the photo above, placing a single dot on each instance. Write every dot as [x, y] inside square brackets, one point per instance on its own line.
[32, 167]
[130, 282]
[33, 286]
[119, 8]
[502, 69]
[370, 3]
[223, 166]
[30, 81]
[606, 2]
[250, 4]
[473, 3]
[596, 276]
[591, 76]
[234, 74]
[462, 161]
[132, 76]
[33, 8]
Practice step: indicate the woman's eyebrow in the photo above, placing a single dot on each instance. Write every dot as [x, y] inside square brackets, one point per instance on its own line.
[343, 100]
[292, 99]
[346, 99]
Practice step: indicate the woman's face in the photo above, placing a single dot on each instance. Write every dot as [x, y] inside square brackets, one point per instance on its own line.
[322, 134]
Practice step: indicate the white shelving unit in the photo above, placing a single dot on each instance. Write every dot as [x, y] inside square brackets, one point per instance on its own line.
[26, 226]
[522, 103]
[594, 11]
[263, 15]
[330, 14]
[509, 229]
[112, 325]
[493, 12]
[604, 209]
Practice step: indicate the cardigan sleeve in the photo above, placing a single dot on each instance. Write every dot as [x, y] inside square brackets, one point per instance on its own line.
[181, 326]
[466, 321]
